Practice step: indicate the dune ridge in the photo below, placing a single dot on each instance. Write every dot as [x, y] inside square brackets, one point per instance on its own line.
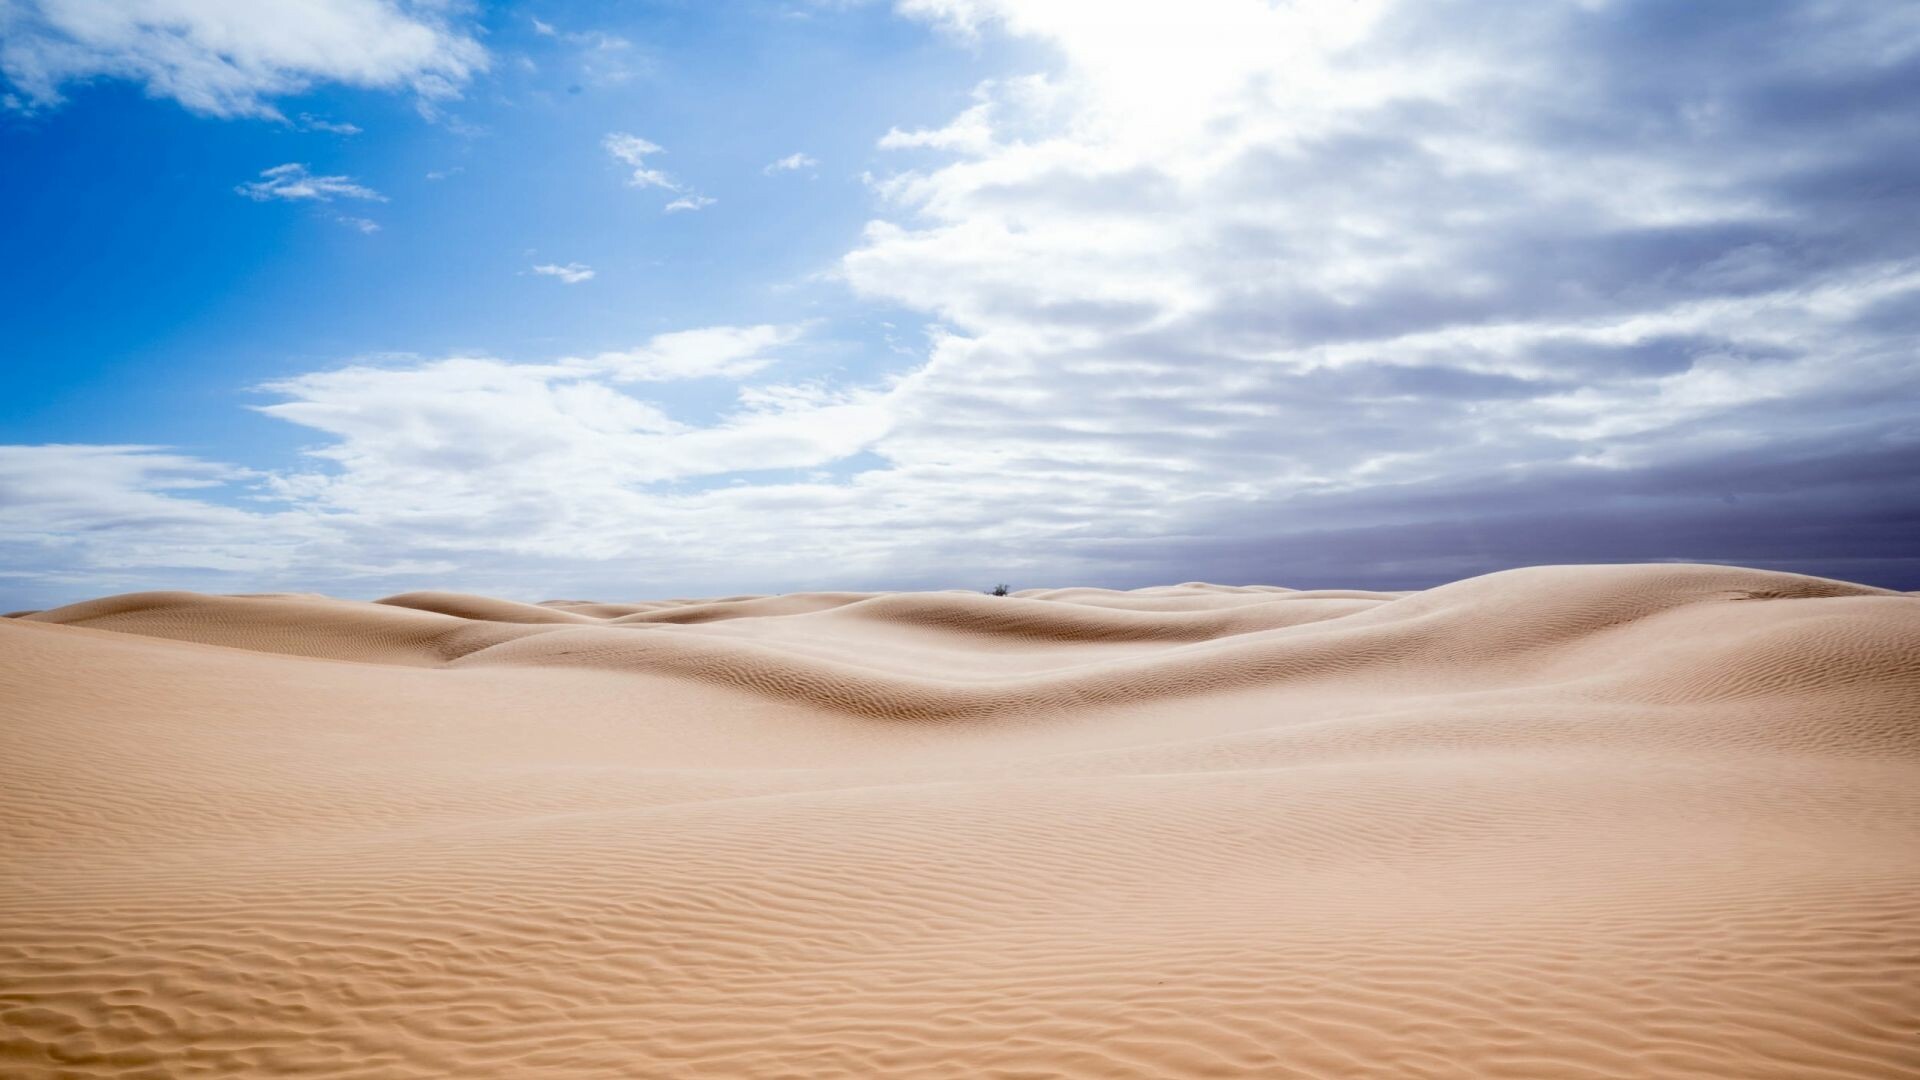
[1595, 821]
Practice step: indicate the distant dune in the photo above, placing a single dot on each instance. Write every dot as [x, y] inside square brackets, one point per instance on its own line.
[1562, 822]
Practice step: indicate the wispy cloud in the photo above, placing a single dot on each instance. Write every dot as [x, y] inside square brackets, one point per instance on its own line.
[231, 59]
[572, 273]
[791, 163]
[731, 352]
[605, 59]
[593, 57]
[310, 122]
[634, 151]
[970, 132]
[364, 225]
[293, 182]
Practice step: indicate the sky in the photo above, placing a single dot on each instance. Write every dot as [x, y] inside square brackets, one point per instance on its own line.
[636, 299]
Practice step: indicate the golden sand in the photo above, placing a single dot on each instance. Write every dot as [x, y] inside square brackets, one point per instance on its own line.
[1620, 821]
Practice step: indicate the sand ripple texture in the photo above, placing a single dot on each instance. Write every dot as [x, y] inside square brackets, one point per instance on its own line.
[1562, 822]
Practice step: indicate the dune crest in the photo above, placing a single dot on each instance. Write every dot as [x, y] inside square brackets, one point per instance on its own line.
[1594, 821]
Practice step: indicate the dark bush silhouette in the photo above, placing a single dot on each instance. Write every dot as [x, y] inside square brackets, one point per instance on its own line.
[1000, 590]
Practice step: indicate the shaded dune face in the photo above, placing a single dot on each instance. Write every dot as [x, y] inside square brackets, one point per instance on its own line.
[1615, 821]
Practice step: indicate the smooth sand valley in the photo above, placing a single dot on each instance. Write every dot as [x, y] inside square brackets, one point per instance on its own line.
[1563, 822]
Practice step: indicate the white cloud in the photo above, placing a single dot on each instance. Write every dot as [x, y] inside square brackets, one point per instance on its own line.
[970, 132]
[634, 151]
[310, 122]
[594, 58]
[606, 59]
[432, 468]
[115, 513]
[716, 351]
[230, 59]
[792, 163]
[364, 225]
[293, 182]
[554, 459]
[571, 274]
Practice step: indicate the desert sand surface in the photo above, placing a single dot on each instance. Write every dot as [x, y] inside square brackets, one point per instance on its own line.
[1560, 822]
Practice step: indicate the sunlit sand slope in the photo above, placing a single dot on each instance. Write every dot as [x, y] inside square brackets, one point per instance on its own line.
[1620, 821]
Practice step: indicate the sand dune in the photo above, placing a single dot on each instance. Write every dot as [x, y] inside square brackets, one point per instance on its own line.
[1608, 821]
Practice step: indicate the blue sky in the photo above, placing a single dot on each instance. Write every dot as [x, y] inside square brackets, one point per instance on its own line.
[158, 296]
[626, 299]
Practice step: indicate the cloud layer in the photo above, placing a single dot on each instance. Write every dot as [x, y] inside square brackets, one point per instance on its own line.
[1272, 278]
[295, 182]
[231, 59]
[793, 162]
[572, 273]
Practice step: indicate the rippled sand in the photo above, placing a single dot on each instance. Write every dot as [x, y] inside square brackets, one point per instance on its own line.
[1624, 821]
